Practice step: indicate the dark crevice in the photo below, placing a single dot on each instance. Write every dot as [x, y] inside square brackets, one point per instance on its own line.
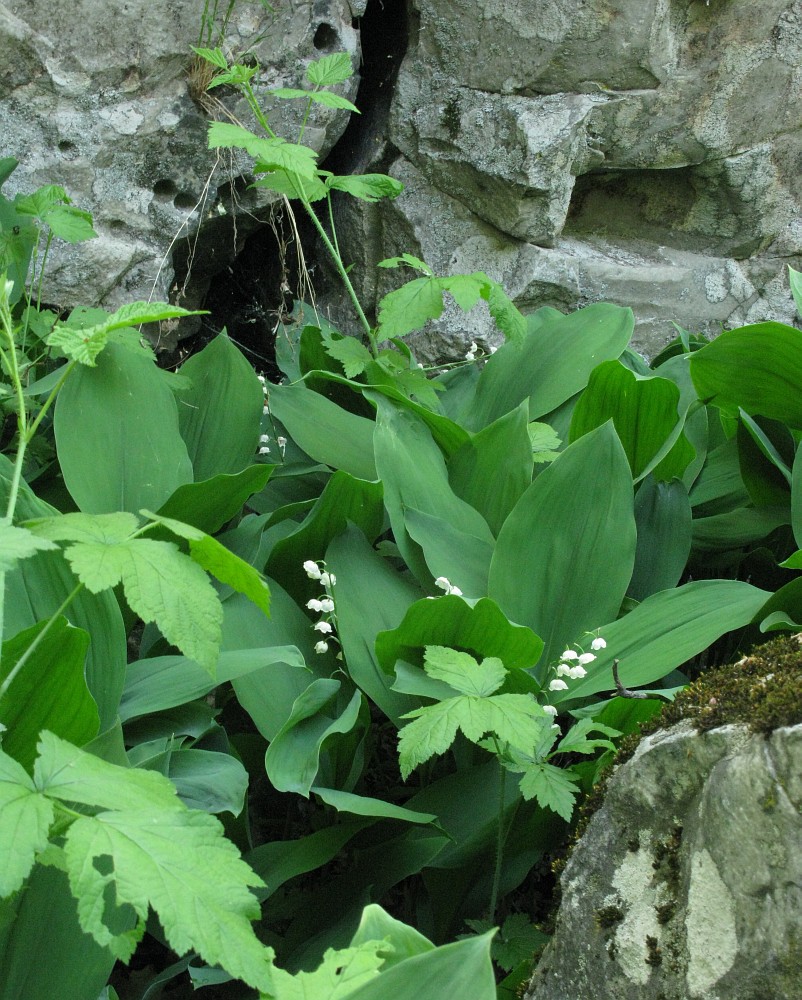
[383, 32]
[251, 294]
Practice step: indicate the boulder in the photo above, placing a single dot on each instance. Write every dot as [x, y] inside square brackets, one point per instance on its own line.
[686, 883]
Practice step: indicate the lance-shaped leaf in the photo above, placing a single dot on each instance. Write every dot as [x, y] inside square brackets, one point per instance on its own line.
[367, 187]
[316, 96]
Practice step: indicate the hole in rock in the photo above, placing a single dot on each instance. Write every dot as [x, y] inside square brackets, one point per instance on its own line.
[326, 38]
[185, 200]
[164, 189]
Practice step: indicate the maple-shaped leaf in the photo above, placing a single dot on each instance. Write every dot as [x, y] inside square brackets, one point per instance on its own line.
[19, 543]
[349, 351]
[339, 975]
[25, 819]
[553, 787]
[513, 719]
[142, 849]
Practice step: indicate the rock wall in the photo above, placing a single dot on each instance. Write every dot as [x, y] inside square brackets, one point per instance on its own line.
[640, 151]
[687, 884]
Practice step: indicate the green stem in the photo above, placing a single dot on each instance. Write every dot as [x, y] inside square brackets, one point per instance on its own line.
[10, 359]
[501, 836]
[344, 275]
[31, 649]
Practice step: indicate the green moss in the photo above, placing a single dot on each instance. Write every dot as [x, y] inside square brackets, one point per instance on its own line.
[609, 916]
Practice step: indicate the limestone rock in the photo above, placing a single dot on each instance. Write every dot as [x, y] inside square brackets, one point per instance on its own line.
[100, 101]
[687, 883]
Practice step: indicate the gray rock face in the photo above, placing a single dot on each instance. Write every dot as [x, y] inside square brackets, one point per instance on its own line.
[640, 151]
[99, 99]
[687, 884]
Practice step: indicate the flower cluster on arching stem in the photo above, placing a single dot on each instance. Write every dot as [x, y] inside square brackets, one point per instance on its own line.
[571, 666]
[323, 605]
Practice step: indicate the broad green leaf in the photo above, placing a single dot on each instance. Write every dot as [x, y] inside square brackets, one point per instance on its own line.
[216, 559]
[664, 526]
[462, 672]
[124, 411]
[49, 692]
[450, 551]
[367, 187]
[161, 585]
[168, 681]
[330, 70]
[564, 557]
[364, 805]
[732, 530]
[279, 861]
[323, 97]
[757, 368]
[550, 363]
[207, 780]
[293, 757]
[25, 818]
[219, 414]
[766, 473]
[325, 431]
[553, 787]
[42, 200]
[411, 261]
[462, 969]
[18, 543]
[211, 504]
[644, 412]
[269, 152]
[449, 621]
[513, 718]
[344, 500]
[796, 497]
[370, 596]
[37, 589]
[576, 739]
[413, 471]
[377, 925]
[665, 631]
[494, 468]
[69, 963]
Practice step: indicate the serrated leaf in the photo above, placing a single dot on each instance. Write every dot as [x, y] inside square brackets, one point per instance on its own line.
[350, 352]
[234, 75]
[544, 441]
[466, 289]
[214, 56]
[19, 543]
[270, 152]
[221, 562]
[339, 974]
[108, 529]
[462, 672]
[508, 318]
[154, 851]
[324, 97]
[25, 818]
[553, 787]
[293, 185]
[410, 261]
[335, 68]
[410, 307]
[513, 718]
[517, 941]
[368, 187]
[576, 739]
[161, 585]
[71, 224]
[41, 201]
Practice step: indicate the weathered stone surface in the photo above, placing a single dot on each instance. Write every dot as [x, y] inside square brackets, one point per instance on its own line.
[687, 884]
[100, 101]
[644, 152]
